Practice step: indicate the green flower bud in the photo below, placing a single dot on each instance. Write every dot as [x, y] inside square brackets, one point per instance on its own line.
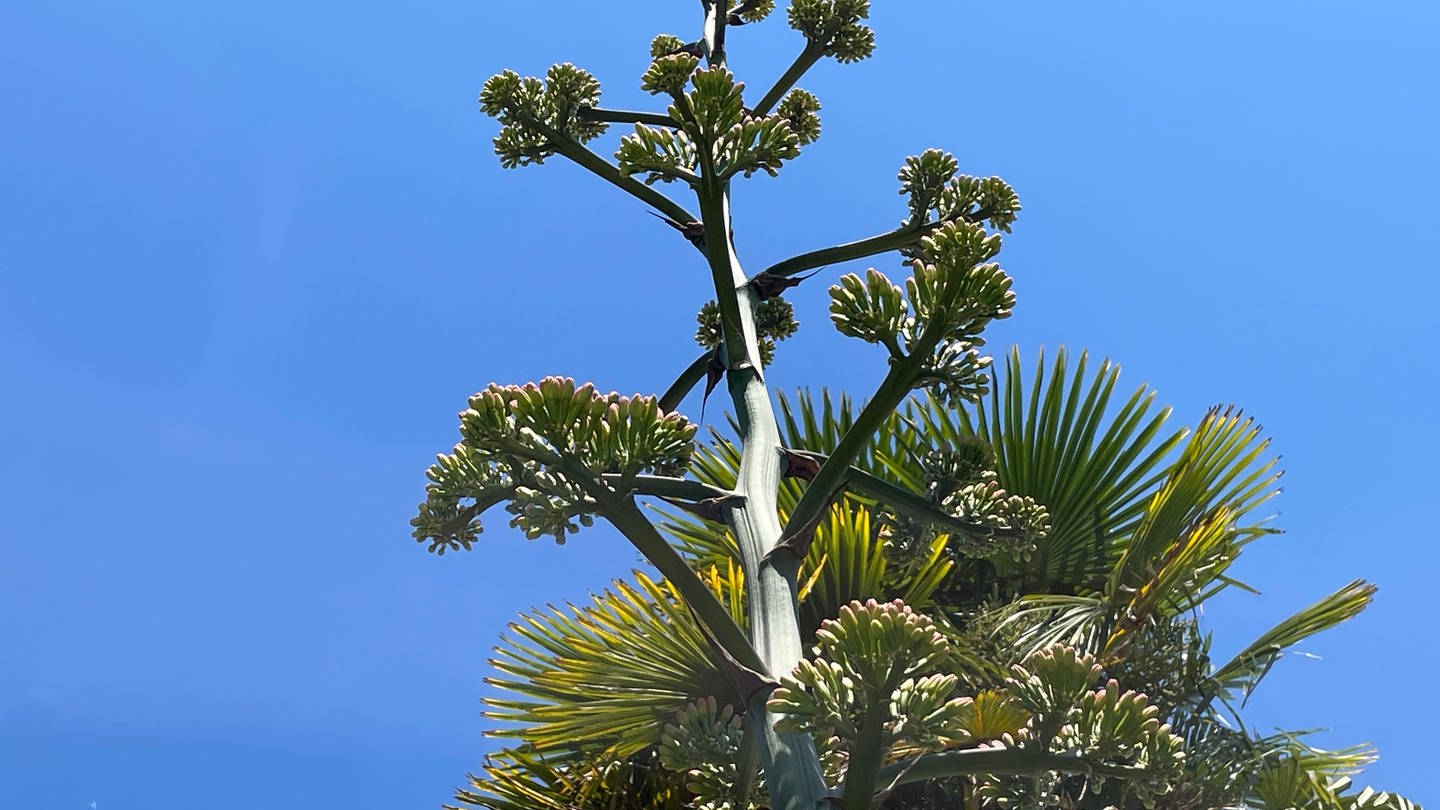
[924, 178]
[801, 110]
[835, 27]
[527, 108]
[753, 11]
[669, 74]
[664, 45]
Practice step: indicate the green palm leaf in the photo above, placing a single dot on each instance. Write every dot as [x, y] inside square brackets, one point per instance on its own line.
[525, 780]
[1220, 476]
[1061, 441]
[1243, 673]
[605, 677]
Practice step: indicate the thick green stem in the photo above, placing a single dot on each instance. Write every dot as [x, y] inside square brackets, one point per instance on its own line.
[715, 19]
[802, 63]
[866, 755]
[792, 766]
[747, 762]
[902, 237]
[831, 477]
[627, 117]
[624, 515]
[998, 762]
[606, 170]
[688, 379]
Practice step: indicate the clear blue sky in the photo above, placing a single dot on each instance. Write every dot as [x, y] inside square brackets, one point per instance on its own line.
[254, 256]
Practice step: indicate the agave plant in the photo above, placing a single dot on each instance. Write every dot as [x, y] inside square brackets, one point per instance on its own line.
[964, 586]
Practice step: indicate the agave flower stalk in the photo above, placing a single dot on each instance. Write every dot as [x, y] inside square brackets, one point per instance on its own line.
[559, 455]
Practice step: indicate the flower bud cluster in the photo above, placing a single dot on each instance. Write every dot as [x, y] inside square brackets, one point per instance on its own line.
[802, 110]
[753, 11]
[961, 482]
[989, 505]
[704, 744]
[872, 654]
[835, 27]
[935, 190]
[1074, 712]
[533, 113]
[953, 293]
[774, 322]
[712, 125]
[544, 448]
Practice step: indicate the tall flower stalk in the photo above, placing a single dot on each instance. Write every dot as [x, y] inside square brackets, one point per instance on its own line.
[873, 705]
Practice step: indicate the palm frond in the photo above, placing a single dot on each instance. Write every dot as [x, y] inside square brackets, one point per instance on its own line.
[525, 780]
[1333, 763]
[1220, 467]
[1041, 621]
[604, 677]
[1243, 673]
[1060, 441]
[1179, 581]
[848, 561]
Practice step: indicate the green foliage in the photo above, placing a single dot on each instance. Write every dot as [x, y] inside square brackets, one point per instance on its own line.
[600, 678]
[522, 780]
[1058, 438]
[533, 114]
[1236, 679]
[1287, 785]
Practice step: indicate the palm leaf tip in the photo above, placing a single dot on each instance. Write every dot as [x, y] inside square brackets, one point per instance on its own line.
[1243, 673]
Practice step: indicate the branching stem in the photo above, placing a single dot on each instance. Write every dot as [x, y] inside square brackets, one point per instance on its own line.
[685, 383]
[902, 237]
[866, 751]
[998, 762]
[806, 60]
[625, 516]
[606, 170]
[898, 383]
[627, 117]
[831, 477]
[661, 486]
[910, 504]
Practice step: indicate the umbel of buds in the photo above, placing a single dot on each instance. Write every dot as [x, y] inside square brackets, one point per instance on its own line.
[886, 655]
[546, 448]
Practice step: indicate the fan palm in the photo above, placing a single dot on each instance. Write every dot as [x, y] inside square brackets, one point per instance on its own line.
[1145, 522]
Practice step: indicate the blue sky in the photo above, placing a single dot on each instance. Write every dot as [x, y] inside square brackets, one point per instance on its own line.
[253, 257]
